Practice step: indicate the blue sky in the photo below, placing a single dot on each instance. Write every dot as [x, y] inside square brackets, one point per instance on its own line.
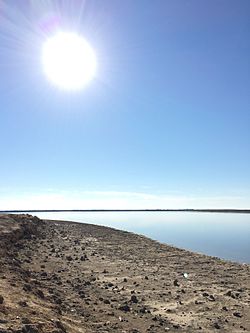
[165, 123]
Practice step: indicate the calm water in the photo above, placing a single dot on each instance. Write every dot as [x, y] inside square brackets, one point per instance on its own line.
[223, 235]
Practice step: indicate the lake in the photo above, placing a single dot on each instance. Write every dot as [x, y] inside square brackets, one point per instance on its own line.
[223, 235]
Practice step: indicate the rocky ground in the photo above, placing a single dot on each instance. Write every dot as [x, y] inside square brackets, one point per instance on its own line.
[63, 277]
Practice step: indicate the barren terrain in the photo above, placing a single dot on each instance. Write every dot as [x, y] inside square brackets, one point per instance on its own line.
[59, 277]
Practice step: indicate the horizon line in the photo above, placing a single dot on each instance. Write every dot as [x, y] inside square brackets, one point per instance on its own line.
[206, 210]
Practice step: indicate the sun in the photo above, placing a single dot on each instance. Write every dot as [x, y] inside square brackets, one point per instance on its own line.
[69, 62]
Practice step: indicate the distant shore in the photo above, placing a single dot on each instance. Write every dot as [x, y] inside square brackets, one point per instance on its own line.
[239, 211]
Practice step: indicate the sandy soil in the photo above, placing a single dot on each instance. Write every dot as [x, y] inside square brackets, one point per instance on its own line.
[66, 277]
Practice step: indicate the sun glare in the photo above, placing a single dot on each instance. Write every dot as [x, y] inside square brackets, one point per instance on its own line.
[68, 60]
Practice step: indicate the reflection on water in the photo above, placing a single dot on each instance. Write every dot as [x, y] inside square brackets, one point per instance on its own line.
[222, 235]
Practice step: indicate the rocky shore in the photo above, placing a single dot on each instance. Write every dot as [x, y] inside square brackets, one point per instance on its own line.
[64, 277]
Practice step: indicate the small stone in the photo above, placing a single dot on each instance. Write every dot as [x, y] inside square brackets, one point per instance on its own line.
[217, 326]
[60, 326]
[134, 299]
[198, 302]
[29, 329]
[237, 314]
[211, 298]
[106, 301]
[143, 309]
[40, 293]
[27, 287]
[23, 304]
[176, 283]
[124, 308]
[1, 299]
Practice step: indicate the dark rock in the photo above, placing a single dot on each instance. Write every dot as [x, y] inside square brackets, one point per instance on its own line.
[237, 314]
[106, 301]
[84, 257]
[124, 308]
[205, 294]
[143, 309]
[40, 293]
[1, 299]
[27, 287]
[134, 299]
[211, 298]
[23, 304]
[217, 326]
[61, 326]
[29, 329]
[176, 283]
[197, 302]
[87, 283]
[176, 326]
[57, 300]
[230, 293]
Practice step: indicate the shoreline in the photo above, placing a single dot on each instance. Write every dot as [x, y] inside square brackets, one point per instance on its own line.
[146, 237]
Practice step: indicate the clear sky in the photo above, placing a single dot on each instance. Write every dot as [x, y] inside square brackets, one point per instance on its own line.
[164, 124]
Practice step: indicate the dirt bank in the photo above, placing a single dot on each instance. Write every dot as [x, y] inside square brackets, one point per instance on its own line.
[67, 277]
